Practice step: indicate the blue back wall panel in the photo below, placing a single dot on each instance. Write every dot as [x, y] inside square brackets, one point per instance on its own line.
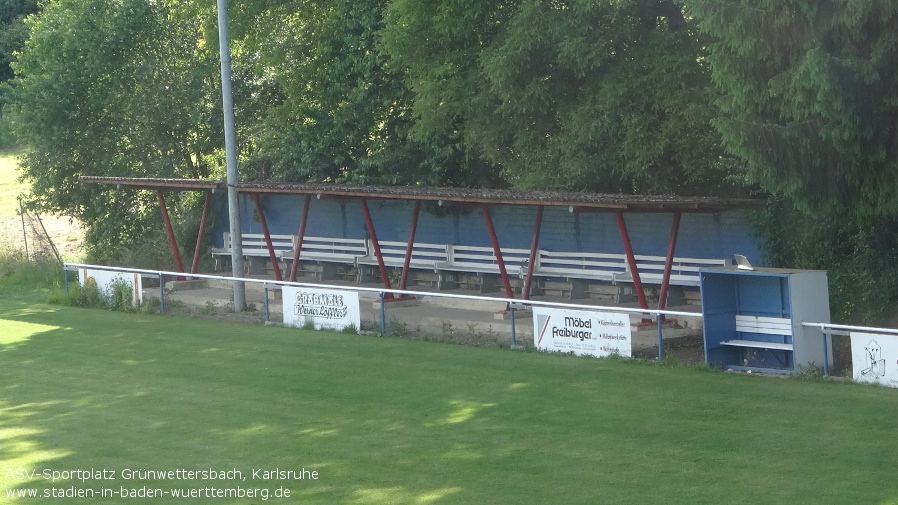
[717, 235]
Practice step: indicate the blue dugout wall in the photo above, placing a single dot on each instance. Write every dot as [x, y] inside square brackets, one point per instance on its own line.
[717, 235]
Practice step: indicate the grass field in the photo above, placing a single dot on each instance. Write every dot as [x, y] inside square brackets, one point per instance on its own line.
[391, 421]
[10, 187]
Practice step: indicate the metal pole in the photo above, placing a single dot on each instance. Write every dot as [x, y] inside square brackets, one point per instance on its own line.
[825, 354]
[410, 246]
[659, 319]
[161, 294]
[383, 315]
[265, 233]
[369, 223]
[267, 313]
[514, 342]
[169, 231]
[534, 245]
[24, 233]
[631, 259]
[497, 251]
[668, 260]
[227, 104]
[299, 238]
[199, 235]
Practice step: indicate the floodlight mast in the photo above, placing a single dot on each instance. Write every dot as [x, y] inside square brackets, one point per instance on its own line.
[227, 100]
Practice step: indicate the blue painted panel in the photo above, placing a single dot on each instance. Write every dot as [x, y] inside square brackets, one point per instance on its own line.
[762, 296]
[701, 235]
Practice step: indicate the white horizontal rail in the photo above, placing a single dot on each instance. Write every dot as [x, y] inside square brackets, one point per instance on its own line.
[844, 328]
[267, 282]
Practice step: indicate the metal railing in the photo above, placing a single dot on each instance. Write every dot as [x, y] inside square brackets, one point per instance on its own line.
[513, 304]
[829, 329]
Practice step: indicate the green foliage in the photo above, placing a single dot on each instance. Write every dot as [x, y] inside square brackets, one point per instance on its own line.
[808, 98]
[344, 110]
[595, 95]
[88, 295]
[862, 261]
[21, 276]
[120, 296]
[131, 92]
[13, 33]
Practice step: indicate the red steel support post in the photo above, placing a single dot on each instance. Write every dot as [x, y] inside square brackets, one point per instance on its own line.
[409, 248]
[631, 259]
[168, 229]
[534, 245]
[271, 254]
[302, 233]
[199, 235]
[369, 223]
[497, 251]
[668, 262]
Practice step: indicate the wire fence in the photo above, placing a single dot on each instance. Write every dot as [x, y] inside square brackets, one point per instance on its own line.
[32, 237]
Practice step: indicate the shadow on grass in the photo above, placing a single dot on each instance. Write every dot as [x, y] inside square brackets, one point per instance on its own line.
[398, 421]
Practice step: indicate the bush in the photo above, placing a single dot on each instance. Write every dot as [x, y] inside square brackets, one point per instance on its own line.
[861, 258]
[20, 275]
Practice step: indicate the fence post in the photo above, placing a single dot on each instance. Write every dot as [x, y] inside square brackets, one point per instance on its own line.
[514, 342]
[658, 319]
[161, 294]
[825, 352]
[383, 315]
[267, 319]
[65, 278]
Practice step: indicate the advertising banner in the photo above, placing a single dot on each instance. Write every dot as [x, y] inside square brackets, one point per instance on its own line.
[874, 358]
[104, 280]
[323, 308]
[580, 332]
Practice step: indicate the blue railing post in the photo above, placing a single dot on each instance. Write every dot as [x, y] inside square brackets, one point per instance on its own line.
[514, 342]
[161, 294]
[825, 352]
[383, 315]
[65, 278]
[267, 319]
[659, 318]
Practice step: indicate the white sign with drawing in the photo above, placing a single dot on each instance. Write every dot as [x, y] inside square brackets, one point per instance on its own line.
[580, 332]
[322, 308]
[875, 358]
[105, 279]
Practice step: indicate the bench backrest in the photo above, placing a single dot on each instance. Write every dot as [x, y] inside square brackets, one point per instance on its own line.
[256, 242]
[394, 252]
[680, 267]
[764, 325]
[572, 263]
[479, 258]
[340, 248]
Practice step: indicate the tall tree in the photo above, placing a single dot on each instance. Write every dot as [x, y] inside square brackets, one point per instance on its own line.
[596, 95]
[809, 98]
[119, 88]
[13, 31]
[343, 109]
